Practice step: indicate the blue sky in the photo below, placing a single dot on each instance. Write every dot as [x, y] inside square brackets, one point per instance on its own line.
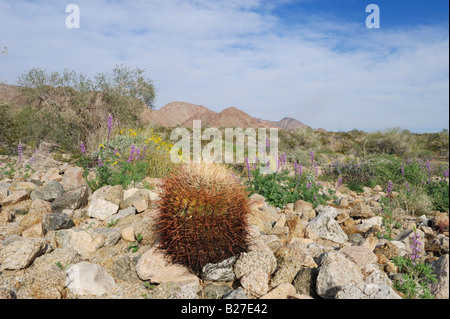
[313, 60]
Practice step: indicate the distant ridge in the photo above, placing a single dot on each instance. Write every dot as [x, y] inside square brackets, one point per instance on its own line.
[182, 114]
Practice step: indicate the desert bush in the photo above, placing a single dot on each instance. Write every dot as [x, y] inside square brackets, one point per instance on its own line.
[392, 141]
[67, 108]
[280, 187]
[9, 133]
[126, 155]
[438, 191]
[412, 200]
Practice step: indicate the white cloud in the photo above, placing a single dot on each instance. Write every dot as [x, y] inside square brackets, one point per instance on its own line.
[236, 53]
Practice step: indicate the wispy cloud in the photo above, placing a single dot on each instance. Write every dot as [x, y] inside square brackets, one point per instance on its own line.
[324, 72]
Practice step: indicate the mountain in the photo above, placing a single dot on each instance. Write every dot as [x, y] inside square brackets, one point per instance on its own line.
[288, 123]
[183, 114]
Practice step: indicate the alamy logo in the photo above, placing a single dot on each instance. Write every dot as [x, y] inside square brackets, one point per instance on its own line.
[73, 19]
[261, 148]
[373, 19]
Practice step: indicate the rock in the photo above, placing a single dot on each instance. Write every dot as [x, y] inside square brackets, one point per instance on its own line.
[305, 209]
[278, 228]
[20, 208]
[238, 293]
[48, 283]
[324, 226]
[366, 224]
[124, 269]
[4, 191]
[73, 199]
[99, 193]
[20, 185]
[441, 269]
[283, 291]
[255, 283]
[173, 290]
[377, 189]
[114, 194]
[51, 175]
[361, 210]
[84, 242]
[49, 192]
[57, 221]
[253, 260]
[121, 215]
[257, 198]
[215, 291]
[145, 227]
[15, 198]
[128, 234]
[262, 219]
[5, 293]
[18, 253]
[73, 178]
[85, 278]
[222, 271]
[336, 271]
[101, 209]
[295, 225]
[360, 255]
[305, 281]
[35, 231]
[6, 217]
[154, 266]
[370, 243]
[112, 236]
[38, 210]
[355, 238]
[59, 257]
[291, 259]
[139, 200]
[367, 291]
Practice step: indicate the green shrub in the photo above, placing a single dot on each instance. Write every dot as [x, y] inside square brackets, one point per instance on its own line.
[438, 191]
[66, 107]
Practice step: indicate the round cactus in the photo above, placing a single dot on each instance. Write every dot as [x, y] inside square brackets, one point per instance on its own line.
[202, 215]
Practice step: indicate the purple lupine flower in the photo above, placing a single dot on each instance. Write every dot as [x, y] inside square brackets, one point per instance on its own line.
[109, 124]
[20, 152]
[311, 154]
[267, 144]
[247, 165]
[407, 187]
[300, 169]
[283, 160]
[235, 177]
[389, 188]
[415, 248]
[83, 149]
[339, 182]
[308, 186]
[446, 174]
[132, 149]
[137, 153]
[100, 162]
[316, 169]
[144, 150]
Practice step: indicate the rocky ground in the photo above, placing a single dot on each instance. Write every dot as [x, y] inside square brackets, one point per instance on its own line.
[59, 240]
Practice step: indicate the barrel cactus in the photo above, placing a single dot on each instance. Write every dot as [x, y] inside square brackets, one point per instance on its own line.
[202, 215]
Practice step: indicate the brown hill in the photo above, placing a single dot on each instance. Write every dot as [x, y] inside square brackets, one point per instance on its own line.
[288, 123]
[182, 114]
